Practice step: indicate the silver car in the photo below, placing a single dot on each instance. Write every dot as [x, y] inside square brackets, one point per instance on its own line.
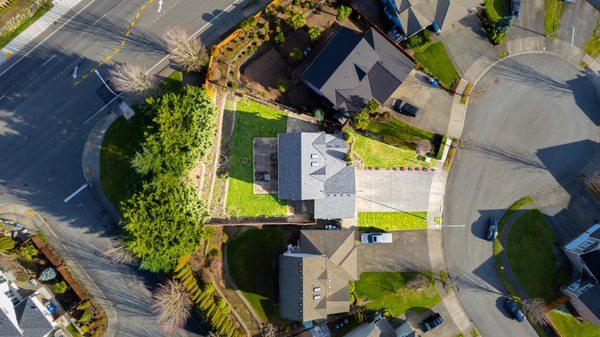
[376, 238]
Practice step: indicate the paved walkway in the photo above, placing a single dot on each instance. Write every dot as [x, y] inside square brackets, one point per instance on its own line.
[61, 7]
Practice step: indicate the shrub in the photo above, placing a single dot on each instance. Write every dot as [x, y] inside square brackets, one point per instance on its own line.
[279, 38]
[343, 12]
[361, 120]
[423, 146]
[397, 142]
[281, 86]
[319, 114]
[296, 21]
[86, 317]
[84, 305]
[372, 106]
[248, 24]
[6, 243]
[60, 287]
[296, 55]
[418, 40]
[28, 252]
[314, 34]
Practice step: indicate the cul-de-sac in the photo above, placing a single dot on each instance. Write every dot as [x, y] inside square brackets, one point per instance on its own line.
[300, 168]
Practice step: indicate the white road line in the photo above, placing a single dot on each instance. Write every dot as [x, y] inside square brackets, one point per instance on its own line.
[75, 193]
[100, 18]
[195, 33]
[46, 38]
[102, 108]
[48, 60]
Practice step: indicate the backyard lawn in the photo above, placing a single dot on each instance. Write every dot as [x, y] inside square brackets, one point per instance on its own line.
[529, 250]
[569, 326]
[389, 145]
[390, 290]
[121, 141]
[252, 260]
[435, 59]
[392, 221]
[592, 46]
[252, 120]
[553, 10]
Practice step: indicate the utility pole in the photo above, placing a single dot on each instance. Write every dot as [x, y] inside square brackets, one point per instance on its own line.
[572, 35]
[101, 79]
[160, 3]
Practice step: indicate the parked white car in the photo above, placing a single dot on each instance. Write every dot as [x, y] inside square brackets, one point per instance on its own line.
[376, 238]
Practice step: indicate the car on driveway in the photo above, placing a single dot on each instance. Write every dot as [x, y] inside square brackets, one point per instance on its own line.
[515, 8]
[492, 231]
[431, 322]
[376, 238]
[405, 108]
[513, 309]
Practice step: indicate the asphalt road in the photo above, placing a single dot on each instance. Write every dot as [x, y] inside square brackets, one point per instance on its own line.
[531, 126]
[45, 118]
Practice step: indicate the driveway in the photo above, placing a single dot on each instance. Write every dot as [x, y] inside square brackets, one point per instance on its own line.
[407, 252]
[531, 21]
[532, 128]
[580, 16]
[392, 191]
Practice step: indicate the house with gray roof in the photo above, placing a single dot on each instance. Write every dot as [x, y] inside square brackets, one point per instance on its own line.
[312, 166]
[584, 291]
[314, 276]
[353, 68]
[381, 327]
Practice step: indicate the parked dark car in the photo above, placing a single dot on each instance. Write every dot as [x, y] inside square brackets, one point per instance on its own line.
[515, 8]
[405, 108]
[492, 231]
[431, 322]
[512, 307]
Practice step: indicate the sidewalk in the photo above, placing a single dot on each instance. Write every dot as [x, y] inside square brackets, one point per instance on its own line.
[60, 8]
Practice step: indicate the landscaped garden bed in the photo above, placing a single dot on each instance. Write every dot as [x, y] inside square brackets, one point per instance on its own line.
[392, 144]
[252, 120]
[397, 292]
[391, 221]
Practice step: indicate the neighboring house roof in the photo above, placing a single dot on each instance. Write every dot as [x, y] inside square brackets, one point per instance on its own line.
[592, 262]
[352, 69]
[416, 15]
[7, 327]
[314, 277]
[312, 166]
[382, 328]
[31, 319]
[587, 241]
[591, 299]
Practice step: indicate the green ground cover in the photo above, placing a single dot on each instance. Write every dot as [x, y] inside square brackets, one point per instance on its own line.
[252, 120]
[8, 36]
[570, 326]
[392, 221]
[389, 290]
[553, 10]
[435, 59]
[252, 261]
[531, 257]
[592, 46]
[121, 142]
[390, 145]
[496, 9]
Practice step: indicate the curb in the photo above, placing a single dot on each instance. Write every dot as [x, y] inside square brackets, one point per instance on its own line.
[90, 163]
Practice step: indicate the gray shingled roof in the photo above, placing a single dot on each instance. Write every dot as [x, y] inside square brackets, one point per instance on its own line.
[31, 319]
[591, 299]
[7, 328]
[415, 15]
[312, 166]
[352, 69]
[323, 264]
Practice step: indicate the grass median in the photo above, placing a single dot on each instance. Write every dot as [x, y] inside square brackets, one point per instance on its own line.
[392, 221]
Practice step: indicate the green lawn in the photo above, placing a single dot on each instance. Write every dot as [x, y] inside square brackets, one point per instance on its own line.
[252, 260]
[570, 326]
[389, 145]
[592, 46]
[435, 59]
[392, 221]
[173, 82]
[8, 36]
[389, 290]
[530, 255]
[121, 142]
[496, 9]
[252, 120]
[553, 10]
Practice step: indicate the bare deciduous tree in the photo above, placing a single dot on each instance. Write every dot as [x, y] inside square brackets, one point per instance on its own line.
[418, 282]
[132, 80]
[118, 254]
[186, 51]
[171, 305]
[536, 309]
[423, 146]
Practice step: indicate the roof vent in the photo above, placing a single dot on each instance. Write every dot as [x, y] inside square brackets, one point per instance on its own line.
[316, 289]
[314, 156]
[316, 297]
[314, 163]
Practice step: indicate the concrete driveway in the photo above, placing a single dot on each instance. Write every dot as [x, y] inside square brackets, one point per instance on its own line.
[578, 20]
[392, 191]
[533, 129]
[531, 21]
[407, 252]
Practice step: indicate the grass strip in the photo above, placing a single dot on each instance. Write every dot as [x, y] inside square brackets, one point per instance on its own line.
[10, 35]
[392, 221]
[434, 58]
[592, 45]
[553, 10]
